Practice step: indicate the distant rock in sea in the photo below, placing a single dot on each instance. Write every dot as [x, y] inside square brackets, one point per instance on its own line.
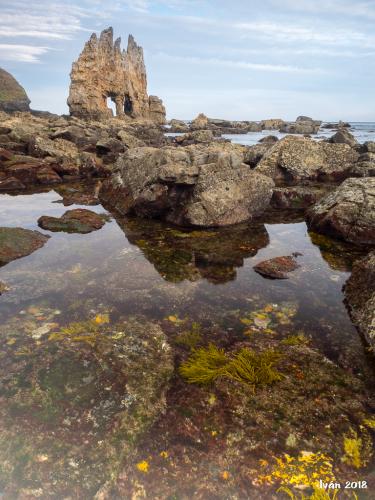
[12, 96]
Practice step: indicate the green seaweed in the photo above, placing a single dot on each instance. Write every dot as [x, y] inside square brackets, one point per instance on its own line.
[205, 365]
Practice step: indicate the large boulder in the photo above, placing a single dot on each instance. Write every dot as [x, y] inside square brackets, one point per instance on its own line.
[193, 185]
[343, 136]
[272, 124]
[12, 96]
[301, 127]
[300, 158]
[200, 122]
[360, 297]
[348, 212]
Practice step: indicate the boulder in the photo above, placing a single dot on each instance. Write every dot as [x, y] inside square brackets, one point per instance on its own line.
[301, 127]
[343, 136]
[11, 184]
[272, 124]
[348, 212]
[78, 220]
[192, 186]
[12, 96]
[370, 146]
[277, 268]
[365, 167]
[16, 242]
[129, 140]
[196, 137]
[200, 122]
[178, 126]
[299, 158]
[360, 297]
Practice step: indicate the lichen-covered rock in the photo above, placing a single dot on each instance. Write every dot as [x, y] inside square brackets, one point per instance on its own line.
[178, 126]
[272, 124]
[365, 166]
[194, 185]
[198, 136]
[75, 409]
[301, 127]
[360, 297]
[16, 242]
[300, 158]
[12, 96]
[103, 71]
[348, 212]
[78, 220]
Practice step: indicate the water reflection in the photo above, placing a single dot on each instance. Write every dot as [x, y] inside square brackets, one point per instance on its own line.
[179, 254]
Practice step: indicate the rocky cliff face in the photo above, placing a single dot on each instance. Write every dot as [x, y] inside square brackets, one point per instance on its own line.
[105, 72]
[12, 96]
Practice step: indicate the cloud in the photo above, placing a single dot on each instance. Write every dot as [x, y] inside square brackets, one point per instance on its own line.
[229, 63]
[21, 53]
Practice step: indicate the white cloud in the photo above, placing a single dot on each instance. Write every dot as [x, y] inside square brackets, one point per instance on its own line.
[21, 53]
[228, 63]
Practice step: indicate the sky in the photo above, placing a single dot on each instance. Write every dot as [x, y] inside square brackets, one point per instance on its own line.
[230, 59]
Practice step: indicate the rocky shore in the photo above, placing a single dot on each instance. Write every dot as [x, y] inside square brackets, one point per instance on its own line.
[137, 364]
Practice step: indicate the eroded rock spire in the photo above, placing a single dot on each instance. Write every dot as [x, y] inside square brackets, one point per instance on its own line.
[103, 72]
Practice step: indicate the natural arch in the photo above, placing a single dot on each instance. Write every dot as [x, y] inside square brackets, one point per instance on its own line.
[128, 105]
[111, 104]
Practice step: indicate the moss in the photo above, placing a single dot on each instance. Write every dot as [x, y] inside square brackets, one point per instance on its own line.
[297, 339]
[205, 365]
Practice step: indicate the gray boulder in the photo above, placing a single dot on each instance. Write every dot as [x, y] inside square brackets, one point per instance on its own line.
[343, 136]
[191, 186]
[347, 213]
[300, 158]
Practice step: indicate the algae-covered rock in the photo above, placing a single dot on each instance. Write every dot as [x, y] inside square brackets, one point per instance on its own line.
[79, 220]
[16, 242]
[72, 411]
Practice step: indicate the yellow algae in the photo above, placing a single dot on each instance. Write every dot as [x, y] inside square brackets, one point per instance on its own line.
[143, 466]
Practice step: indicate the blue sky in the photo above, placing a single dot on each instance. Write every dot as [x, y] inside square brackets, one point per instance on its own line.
[239, 59]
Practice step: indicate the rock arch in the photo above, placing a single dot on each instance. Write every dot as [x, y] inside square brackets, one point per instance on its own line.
[104, 70]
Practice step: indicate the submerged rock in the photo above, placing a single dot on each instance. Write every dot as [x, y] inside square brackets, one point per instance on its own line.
[79, 220]
[300, 158]
[348, 212]
[277, 268]
[360, 297]
[75, 409]
[16, 242]
[194, 186]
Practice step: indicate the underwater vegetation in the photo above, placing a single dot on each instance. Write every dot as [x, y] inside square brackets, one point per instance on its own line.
[304, 470]
[358, 449]
[318, 494]
[205, 365]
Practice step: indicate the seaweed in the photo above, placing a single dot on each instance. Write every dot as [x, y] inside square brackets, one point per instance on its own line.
[205, 365]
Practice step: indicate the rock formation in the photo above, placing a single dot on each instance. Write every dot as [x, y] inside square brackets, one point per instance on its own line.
[195, 185]
[12, 96]
[347, 213]
[104, 72]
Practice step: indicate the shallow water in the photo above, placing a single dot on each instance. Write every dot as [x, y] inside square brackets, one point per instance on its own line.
[362, 131]
[177, 279]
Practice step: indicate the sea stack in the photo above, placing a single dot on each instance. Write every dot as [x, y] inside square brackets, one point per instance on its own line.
[103, 71]
[12, 96]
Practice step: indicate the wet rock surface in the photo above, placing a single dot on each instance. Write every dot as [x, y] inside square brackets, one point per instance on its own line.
[298, 197]
[16, 242]
[360, 297]
[78, 220]
[78, 405]
[278, 267]
[348, 212]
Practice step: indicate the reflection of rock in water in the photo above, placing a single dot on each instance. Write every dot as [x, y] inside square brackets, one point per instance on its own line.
[339, 255]
[192, 255]
[75, 402]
